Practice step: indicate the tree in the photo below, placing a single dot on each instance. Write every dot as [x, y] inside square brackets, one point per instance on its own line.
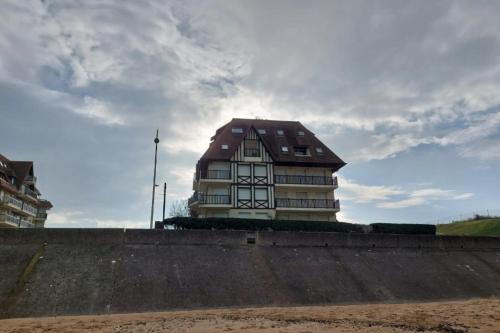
[179, 208]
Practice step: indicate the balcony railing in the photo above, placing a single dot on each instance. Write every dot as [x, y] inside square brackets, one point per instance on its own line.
[210, 199]
[9, 218]
[25, 224]
[29, 209]
[305, 180]
[216, 174]
[30, 192]
[13, 201]
[307, 203]
[41, 215]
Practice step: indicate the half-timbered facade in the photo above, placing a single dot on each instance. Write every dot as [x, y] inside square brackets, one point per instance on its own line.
[266, 169]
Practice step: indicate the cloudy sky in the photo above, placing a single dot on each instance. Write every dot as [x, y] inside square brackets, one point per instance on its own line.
[406, 92]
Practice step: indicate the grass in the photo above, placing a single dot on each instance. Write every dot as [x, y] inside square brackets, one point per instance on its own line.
[479, 227]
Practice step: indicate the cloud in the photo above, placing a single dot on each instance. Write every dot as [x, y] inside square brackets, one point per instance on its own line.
[77, 219]
[424, 197]
[88, 85]
[392, 197]
[360, 193]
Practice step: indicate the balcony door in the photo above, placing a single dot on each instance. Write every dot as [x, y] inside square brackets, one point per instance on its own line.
[261, 200]
[244, 197]
[260, 174]
[244, 174]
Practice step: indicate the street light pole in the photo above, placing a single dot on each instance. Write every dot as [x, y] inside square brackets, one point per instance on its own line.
[164, 198]
[156, 141]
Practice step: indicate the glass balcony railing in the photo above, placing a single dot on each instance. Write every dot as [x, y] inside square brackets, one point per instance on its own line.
[307, 203]
[216, 174]
[305, 180]
[210, 199]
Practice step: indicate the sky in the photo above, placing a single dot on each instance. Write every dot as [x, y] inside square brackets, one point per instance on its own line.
[406, 92]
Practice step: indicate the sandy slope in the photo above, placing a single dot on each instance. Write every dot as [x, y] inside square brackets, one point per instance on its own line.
[481, 315]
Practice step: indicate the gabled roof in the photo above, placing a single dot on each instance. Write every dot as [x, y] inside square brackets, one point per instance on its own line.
[273, 143]
[19, 170]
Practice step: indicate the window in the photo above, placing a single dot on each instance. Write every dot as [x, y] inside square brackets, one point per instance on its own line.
[300, 151]
[280, 132]
[237, 130]
[261, 194]
[225, 147]
[319, 150]
[260, 170]
[252, 148]
[244, 193]
[300, 133]
[244, 170]
[284, 149]
[261, 131]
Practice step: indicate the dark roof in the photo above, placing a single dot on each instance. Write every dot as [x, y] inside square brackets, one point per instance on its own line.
[19, 170]
[273, 143]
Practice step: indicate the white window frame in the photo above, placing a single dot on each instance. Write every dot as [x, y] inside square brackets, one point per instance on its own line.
[224, 147]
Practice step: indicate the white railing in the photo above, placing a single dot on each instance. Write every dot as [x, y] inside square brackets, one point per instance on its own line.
[13, 201]
[30, 192]
[26, 224]
[29, 209]
[9, 218]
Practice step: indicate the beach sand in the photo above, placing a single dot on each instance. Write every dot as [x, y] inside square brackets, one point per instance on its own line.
[478, 315]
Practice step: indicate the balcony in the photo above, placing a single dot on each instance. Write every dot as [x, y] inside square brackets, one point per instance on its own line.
[30, 192]
[29, 209]
[307, 203]
[9, 219]
[41, 215]
[13, 202]
[209, 199]
[306, 180]
[216, 174]
[26, 224]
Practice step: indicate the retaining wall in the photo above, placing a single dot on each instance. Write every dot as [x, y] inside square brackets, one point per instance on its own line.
[48, 272]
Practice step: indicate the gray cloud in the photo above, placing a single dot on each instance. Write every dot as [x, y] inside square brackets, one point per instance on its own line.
[87, 83]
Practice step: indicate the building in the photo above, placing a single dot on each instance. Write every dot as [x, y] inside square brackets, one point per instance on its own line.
[266, 169]
[20, 202]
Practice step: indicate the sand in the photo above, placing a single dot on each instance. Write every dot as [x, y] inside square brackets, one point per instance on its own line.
[479, 315]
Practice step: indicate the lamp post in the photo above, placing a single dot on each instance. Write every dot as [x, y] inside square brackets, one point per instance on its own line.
[156, 141]
[164, 199]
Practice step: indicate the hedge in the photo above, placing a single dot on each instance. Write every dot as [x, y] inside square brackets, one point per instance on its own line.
[413, 229]
[256, 224]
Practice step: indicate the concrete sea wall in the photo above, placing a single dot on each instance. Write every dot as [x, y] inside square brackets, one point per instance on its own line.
[45, 272]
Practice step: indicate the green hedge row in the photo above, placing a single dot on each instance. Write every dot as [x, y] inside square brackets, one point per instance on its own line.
[287, 225]
[411, 229]
[255, 224]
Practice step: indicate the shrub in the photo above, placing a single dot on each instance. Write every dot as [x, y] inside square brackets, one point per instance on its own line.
[256, 224]
[402, 228]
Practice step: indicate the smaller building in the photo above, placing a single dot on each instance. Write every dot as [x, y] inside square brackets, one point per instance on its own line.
[21, 205]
